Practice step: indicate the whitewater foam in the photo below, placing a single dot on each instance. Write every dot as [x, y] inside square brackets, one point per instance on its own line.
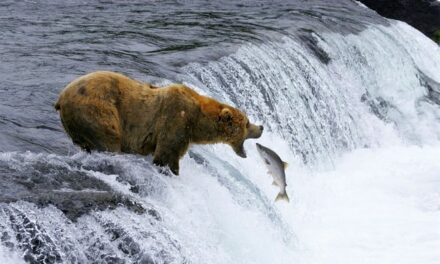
[10, 257]
[377, 206]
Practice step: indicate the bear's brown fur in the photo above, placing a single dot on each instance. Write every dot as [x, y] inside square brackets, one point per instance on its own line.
[108, 111]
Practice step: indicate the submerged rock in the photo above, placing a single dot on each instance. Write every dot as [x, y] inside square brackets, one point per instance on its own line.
[79, 209]
[432, 88]
[71, 189]
[311, 40]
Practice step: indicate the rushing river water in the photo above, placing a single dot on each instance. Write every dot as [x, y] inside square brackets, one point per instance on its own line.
[349, 99]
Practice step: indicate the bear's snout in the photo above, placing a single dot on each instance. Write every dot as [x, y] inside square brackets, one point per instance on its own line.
[255, 131]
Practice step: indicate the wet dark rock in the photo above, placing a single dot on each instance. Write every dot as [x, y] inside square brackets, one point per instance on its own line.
[378, 106]
[104, 167]
[134, 189]
[111, 260]
[421, 14]
[72, 190]
[433, 93]
[31, 183]
[6, 239]
[311, 39]
[199, 159]
[37, 246]
[146, 259]
[74, 205]
[154, 213]
[5, 236]
[126, 244]
[9, 245]
[432, 88]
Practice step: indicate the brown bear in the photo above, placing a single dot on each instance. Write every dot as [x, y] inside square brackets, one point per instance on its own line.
[107, 111]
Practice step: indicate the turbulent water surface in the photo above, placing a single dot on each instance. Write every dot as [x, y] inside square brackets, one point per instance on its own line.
[349, 99]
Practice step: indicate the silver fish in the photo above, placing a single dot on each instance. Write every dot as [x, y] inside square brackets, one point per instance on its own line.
[275, 168]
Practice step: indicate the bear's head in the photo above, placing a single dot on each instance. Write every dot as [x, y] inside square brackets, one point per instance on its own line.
[235, 128]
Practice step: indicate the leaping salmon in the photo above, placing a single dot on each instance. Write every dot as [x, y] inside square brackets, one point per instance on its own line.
[276, 167]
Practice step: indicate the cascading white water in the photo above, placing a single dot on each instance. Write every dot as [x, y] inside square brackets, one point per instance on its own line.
[322, 108]
[355, 102]
[370, 94]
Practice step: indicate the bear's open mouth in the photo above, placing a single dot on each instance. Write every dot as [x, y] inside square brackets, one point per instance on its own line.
[240, 150]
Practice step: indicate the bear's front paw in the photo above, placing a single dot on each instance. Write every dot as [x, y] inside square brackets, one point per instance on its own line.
[165, 171]
[165, 168]
[158, 162]
[175, 170]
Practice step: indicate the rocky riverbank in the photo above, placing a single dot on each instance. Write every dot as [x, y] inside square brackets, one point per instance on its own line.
[421, 14]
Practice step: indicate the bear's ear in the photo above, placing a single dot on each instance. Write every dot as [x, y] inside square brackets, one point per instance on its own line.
[225, 115]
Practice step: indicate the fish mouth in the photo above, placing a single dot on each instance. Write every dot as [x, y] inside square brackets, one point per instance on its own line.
[259, 147]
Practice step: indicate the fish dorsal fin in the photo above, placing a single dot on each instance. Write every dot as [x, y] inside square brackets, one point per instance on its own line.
[274, 183]
[285, 164]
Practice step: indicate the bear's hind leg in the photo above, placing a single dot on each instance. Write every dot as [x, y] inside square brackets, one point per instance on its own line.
[93, 128]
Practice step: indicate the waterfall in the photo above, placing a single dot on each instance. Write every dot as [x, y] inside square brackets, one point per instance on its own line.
[329, 93]
[338, 108]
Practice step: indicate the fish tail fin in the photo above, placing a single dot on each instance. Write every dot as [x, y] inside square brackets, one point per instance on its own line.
[282, 196]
